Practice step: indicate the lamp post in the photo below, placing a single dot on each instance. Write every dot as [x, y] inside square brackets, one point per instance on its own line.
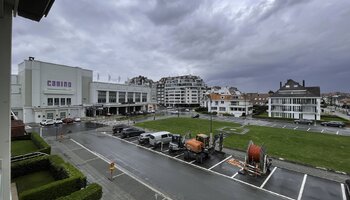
[211, 115]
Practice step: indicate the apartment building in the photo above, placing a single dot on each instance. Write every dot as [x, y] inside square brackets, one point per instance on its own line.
[296, 101]
[227, 101]
[180, 90]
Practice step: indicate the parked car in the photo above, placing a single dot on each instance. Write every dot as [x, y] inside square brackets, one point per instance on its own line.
[77, 119]
[333, 124]
[303, 121]
[195, 116]
[153, 111]
[119, 127]
[58, 121]
[155, 139]
[47, 122]
[187, 110]
[174, 112]
[67, 120]
[130, 132]
[144, 138]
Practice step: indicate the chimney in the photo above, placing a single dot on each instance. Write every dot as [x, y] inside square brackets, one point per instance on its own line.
[280, 84]
[303, 83]
[31, 58]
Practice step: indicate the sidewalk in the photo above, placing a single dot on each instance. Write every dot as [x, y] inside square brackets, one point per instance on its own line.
[96, 170]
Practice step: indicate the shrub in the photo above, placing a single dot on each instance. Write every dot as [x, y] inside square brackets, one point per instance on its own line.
[201, 109]
[40, 143]
[68, 178]
[92, 192]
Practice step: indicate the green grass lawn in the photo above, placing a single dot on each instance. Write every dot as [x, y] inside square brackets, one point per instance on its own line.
[20, 147]
[316, 149]
[333, 118]
[33, 180]
[184, 125]
[323, 150]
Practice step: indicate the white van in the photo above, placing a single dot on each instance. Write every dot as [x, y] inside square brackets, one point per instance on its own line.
[157, 138]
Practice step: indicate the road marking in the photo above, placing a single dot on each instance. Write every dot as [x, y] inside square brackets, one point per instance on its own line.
[220, 162]
[267, 179]
[284, 126]
[165, 151]
[343, 191]
[119, 167]
[205, 169]
[178, 155]
[234, 175]
[118, 175]
[295, 127]
[192, 161]
[337, 132]
[302, 187]
[322, 130]
[308, 129]
[133, 141]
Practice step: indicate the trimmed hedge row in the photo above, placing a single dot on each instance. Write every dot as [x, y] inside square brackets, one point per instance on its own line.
[40, 143]
[68, 178]
[91, 192]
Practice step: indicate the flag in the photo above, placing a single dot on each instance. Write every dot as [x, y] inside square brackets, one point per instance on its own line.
[98, 76]
[109, 77]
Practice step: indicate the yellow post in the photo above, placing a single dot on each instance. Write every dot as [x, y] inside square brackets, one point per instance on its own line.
[111, 169]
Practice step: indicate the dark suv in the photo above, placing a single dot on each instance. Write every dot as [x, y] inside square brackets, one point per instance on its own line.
[130, 132]
[303, 121]
[118, 128]
[334, 124]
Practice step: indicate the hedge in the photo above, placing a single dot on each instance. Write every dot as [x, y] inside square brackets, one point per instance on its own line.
[40, 143]
[68, 178]
[92, 192]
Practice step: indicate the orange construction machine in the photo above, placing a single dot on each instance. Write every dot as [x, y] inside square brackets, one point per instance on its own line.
[256, 161]
[202, 146]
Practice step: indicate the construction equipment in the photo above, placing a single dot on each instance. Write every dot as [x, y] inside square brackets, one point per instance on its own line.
[177, 143]
[256, 161]
[202, 146]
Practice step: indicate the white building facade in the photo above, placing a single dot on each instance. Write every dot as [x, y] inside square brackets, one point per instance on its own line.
[295, 101]
[43, 90]
[185, 90]
[226, 101]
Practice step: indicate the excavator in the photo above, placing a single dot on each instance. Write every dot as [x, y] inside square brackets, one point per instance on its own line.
[202, 146]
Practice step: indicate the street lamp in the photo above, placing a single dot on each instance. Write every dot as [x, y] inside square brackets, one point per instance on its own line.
[211, 115]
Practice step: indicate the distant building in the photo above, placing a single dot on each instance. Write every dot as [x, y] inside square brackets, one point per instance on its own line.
[180, 90]
[295, 101]
[258, 99]
[227, 101]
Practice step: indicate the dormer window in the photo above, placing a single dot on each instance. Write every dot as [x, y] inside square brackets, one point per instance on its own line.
[295, 85]
[287, 86]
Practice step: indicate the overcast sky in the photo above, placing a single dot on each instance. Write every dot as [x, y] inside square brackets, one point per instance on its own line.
[249, 44]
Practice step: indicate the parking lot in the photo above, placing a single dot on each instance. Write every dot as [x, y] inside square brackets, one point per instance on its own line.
[281, 182]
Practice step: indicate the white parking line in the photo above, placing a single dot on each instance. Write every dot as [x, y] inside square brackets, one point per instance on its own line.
[234, 175]
[134, 141]
[192, 161]
[295, 127]
[220, 162]
[284, 126]
[205, 169]
[165, 151]
[118, 175]
[178, 155]
[343, 191]
[120, 168]
[322, 130]
[308, 129]
[262, 185]
[302, 187]
[337, 133]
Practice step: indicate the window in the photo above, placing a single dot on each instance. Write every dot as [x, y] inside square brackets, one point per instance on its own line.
[222, 109]
[222, 102]
[144, 97]
[101, 97]
[62, 115]
[112, 97]
[63, 101]
[49, 101]
[216, 103]
[214, 108]
[122, 97]
[130, 97]
[49, 115]
[137, 97]
[57, 101]
[69, 101]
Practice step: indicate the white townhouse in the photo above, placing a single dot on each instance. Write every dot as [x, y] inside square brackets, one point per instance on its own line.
[295, 101]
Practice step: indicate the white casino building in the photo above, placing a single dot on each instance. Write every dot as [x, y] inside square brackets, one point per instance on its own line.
[43, 90]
